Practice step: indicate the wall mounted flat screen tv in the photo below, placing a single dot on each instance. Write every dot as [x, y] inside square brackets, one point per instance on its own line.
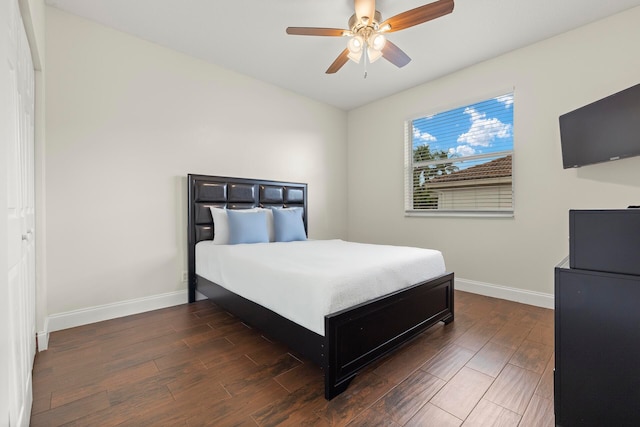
[608, 129]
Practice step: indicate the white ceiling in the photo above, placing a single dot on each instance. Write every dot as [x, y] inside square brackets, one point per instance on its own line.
[248, 36]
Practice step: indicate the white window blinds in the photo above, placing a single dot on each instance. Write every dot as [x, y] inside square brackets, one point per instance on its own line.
[460, 161]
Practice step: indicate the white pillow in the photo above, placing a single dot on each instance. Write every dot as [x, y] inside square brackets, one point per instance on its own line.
[221, 224]
[270, 227]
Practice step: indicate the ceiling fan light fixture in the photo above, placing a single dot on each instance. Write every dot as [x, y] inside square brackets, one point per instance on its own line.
[373, 54]
[377, 41]
[355, 44]
[355, 56]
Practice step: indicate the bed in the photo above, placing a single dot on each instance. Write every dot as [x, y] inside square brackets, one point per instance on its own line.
[354, 336]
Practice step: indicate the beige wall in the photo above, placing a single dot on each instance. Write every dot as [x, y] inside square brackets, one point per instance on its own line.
[127, 120]
[550, 78]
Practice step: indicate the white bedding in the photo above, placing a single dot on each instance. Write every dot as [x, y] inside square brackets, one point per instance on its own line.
[304, 281]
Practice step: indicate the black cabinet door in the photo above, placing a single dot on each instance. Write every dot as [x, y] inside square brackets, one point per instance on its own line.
[597, 342]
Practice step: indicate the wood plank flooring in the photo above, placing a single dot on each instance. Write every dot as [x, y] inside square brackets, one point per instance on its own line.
[196, 365]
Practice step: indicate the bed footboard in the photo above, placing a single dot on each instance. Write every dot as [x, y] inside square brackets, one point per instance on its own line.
[356, 337]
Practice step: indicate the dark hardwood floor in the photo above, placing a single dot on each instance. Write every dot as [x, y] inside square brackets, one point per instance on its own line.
[193, 365]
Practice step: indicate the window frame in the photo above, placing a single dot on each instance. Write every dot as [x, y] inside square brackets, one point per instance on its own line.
[409, 164]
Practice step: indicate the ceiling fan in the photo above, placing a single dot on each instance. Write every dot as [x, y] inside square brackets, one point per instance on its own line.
[367, 32]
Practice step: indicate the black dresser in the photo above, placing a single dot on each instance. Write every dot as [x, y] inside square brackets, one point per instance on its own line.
[597, 321]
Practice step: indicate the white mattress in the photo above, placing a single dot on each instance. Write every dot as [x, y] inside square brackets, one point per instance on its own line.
[304, 281]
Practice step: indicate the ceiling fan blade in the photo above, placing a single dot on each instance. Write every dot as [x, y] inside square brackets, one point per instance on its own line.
[310, 31]
[339, 62]
[418, 15]
[395, 55]
[365, 8]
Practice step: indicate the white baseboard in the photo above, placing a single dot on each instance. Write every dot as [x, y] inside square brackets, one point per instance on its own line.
[43, 336]
[538, 299]
[71, 319]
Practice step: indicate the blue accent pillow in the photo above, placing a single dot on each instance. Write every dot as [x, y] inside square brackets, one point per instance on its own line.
[288, 225]
[247, 227]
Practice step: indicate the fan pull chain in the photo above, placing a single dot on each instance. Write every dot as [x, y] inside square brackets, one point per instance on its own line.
[365, 62]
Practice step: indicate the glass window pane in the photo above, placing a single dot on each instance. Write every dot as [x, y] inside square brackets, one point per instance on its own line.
[461, 159]
[482, 128]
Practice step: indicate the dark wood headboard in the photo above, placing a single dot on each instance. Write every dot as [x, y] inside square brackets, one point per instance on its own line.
[232, 193]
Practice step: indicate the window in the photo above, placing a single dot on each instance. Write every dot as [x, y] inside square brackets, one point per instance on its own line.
[461, 161]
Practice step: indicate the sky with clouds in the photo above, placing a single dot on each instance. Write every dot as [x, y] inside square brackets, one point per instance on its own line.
[482, 128]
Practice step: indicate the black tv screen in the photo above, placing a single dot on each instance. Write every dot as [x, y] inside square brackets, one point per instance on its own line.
[608, 129]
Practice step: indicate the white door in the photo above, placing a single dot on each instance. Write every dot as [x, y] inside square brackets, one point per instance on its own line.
[19, 138]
